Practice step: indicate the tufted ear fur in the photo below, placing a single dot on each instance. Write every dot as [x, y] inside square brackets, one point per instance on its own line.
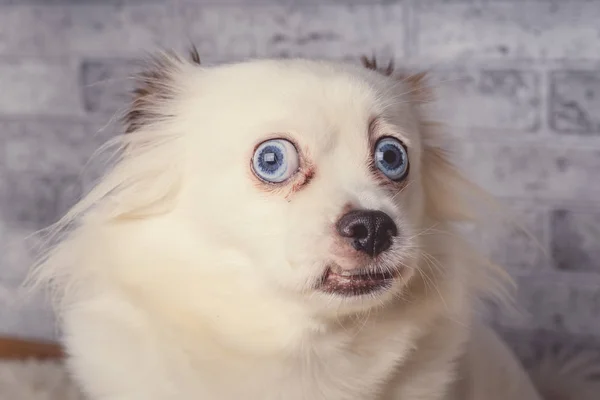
[194, 55]
[416, 82]
[371, 63]
[153, 86]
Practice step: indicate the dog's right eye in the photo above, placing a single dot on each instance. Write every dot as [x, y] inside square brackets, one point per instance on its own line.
[275, 161]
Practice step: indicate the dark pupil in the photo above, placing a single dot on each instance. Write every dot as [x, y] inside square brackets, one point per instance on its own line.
[390, 157]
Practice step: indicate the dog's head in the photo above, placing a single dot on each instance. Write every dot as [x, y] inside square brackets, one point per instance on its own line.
[311, 171]
[318, 182]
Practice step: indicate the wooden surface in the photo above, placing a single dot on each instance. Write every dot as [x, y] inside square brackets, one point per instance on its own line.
[14, 348]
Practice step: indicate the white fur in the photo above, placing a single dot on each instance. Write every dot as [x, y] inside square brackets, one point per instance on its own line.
[179, 277]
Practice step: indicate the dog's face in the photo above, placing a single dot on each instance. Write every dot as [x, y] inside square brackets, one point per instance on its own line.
[306, 176]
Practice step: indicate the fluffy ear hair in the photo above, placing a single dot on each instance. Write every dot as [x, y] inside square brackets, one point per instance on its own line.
[154, 86]
[371, 63]
[194, 55]
[143, 179]
[416, 82]
[449, 195]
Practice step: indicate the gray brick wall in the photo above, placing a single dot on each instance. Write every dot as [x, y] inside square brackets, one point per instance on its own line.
[518, 84]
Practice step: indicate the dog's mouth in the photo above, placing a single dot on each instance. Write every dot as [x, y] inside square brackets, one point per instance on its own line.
[358, 283]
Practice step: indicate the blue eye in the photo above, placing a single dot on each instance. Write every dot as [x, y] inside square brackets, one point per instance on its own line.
[275, 160]
[391, 158]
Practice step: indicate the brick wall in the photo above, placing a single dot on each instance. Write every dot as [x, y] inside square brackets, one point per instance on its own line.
[518, 82]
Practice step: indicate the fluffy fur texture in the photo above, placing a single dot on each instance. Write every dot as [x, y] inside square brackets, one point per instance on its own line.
[182, 275]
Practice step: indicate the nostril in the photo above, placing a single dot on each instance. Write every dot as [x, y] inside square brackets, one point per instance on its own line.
[360, 231]
[386, 228]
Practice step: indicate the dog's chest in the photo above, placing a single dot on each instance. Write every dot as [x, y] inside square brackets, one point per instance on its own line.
[325, 371]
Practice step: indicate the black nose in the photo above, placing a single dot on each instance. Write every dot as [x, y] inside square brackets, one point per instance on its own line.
[370, 231]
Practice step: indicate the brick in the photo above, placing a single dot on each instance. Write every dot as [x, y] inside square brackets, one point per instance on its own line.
[15, 254]
[499, 30]
[32, 30]
[37, 145]
[10, 255]
[531, 346]
[43, 167]
[486, 2]
[75, 2]
[46, 87]
[332, 31]
[533, 170]
[204, 2]
[497, 99]
[38, 199]
[253, 3]
[576, 239]
[107, 85]
[575, 101]
[91, 29]
[563, 303]
[24, 317]
[130, 29]
[518, 241]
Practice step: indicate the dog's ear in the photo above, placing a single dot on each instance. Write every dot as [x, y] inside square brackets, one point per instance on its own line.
[154, 86]
[371, 63]
[420, 91]
[416, 82]
[194, 55]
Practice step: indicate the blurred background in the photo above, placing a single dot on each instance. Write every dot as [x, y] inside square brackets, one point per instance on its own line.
[518, 85]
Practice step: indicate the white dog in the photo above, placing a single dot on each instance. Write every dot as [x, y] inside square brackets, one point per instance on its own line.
[278, 230]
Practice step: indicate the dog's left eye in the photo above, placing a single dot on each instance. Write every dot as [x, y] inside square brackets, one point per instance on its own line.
[391, 158]
[275, 160]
